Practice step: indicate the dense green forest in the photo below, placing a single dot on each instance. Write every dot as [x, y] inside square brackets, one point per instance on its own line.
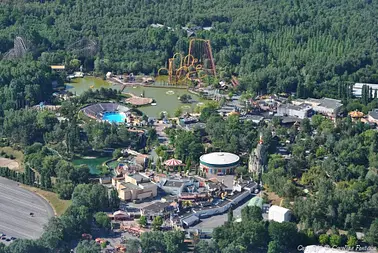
[272, 45]
[331, 175]
[315, 47]
[49, 144]
[24, 83]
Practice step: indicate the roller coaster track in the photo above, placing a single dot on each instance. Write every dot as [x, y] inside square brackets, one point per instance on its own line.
[84, 46]
[192, 66]
[19, 49]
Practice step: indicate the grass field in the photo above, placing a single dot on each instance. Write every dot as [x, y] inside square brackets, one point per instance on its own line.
[59, 205]
[18, 155]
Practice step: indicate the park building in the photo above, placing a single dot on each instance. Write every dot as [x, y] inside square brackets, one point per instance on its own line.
[58, 67]
[173, 186]
[162, 209]
[134, 187]
[279, 214]
[299, 111]
[328, 107]
[373, 116]
[357, 88]
[219, 163]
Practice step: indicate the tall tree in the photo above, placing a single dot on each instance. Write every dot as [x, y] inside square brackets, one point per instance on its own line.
[152, 242]
[372, 234]
[88, 247]
[285, 234]
[157, 223]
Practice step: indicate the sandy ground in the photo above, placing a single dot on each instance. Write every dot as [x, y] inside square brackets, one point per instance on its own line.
[11, 164]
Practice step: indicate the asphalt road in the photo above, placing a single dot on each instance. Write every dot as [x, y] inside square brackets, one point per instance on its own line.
[16, 204]
[218, 220]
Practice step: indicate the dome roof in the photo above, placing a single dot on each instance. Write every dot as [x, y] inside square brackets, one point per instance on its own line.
[219, 159]
[256, 201]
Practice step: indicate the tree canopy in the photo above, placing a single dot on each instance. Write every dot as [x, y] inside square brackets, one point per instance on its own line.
[274, 46]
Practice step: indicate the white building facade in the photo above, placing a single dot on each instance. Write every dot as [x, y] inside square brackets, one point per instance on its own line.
[279, 214]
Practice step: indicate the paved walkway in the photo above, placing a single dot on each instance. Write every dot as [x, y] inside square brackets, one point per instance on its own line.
[160, 126]
[16, 204]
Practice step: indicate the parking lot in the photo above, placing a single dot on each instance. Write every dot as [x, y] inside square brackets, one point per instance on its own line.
[16, 206]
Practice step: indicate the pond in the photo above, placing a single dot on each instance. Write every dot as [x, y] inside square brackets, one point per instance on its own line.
[166, 100]
[79, 85]
[92, 163]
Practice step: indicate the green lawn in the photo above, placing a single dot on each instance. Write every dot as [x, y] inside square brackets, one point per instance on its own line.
[17, 154]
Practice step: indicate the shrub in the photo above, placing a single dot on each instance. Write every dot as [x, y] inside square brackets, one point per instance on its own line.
[323, 239]
[335, 240]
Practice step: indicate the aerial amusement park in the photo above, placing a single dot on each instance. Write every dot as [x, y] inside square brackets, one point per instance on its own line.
[197, 65]
[181, 85]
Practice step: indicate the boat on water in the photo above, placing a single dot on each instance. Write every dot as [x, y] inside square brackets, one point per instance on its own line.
[153, 104]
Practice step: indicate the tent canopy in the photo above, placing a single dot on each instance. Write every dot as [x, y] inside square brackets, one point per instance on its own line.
[173, 162]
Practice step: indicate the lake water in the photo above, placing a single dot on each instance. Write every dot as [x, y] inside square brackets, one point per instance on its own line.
[92, 163]
[79, 85]
[166, 98]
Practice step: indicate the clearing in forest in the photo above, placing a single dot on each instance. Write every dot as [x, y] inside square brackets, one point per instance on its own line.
[11, 164]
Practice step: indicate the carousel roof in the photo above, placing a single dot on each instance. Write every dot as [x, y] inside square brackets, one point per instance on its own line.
[173, 162]
[356, 114]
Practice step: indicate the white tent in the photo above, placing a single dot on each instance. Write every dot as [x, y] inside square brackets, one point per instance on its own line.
[279, 214]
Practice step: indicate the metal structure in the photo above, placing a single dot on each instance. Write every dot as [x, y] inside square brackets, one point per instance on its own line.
[196, 65]
[19, 49]
[84, 47]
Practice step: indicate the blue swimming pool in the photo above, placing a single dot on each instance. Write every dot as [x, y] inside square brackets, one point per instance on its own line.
[114, 117]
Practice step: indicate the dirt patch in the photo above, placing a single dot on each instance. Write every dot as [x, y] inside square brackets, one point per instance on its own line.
[137, 101]
[274, 198]
[11, 164]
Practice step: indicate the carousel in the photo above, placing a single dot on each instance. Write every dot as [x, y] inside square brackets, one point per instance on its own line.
[171, 164]
[356, 115]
